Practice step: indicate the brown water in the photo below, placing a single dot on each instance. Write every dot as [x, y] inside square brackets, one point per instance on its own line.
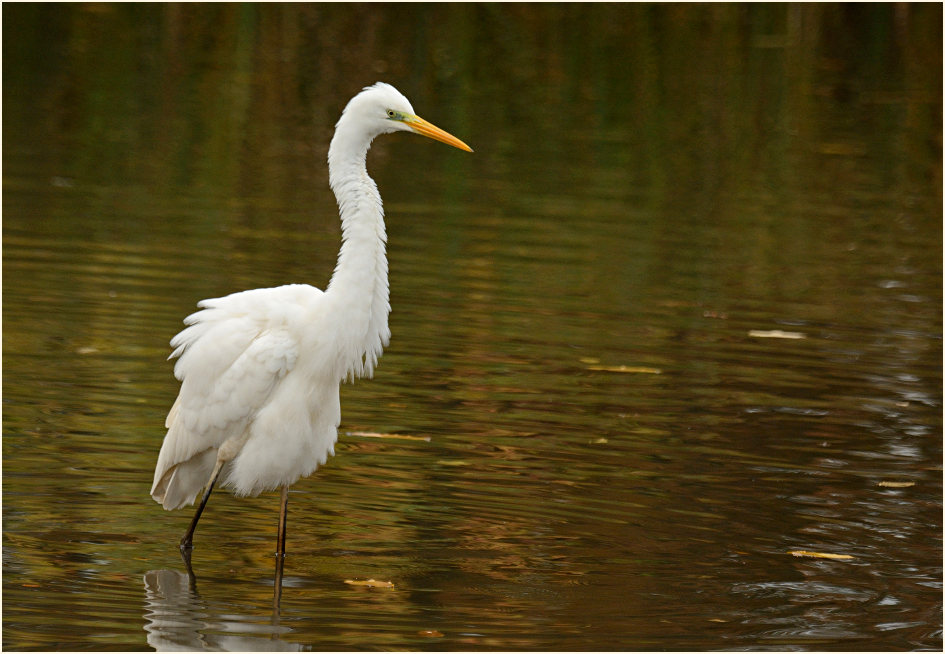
[679, 316]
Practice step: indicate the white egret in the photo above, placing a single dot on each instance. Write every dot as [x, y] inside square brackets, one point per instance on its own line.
[259, 401]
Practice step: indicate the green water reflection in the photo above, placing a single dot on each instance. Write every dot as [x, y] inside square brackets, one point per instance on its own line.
[621, 449]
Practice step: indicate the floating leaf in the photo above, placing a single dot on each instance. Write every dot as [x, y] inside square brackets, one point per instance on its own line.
[775, 333]
[637, 369]
[897, 484]
[842, 149]
[820, 555]
[429, 633]
[373, 434]
[371, 583]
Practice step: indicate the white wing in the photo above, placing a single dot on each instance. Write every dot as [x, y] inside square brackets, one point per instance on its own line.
[232, 356]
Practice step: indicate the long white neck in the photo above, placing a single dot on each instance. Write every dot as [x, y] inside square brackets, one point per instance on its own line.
[358, 290]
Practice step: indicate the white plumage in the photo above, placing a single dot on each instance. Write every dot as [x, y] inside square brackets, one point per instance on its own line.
[259, 370]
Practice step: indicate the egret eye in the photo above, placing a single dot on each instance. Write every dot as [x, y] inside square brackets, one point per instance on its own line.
[391, 113]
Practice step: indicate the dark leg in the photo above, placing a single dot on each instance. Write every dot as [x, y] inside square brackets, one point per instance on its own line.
[280, 543]
[187, 542]
[280, 555]
[277, 588]
[185, 555]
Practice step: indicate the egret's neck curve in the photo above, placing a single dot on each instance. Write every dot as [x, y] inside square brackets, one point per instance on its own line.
[358, 292]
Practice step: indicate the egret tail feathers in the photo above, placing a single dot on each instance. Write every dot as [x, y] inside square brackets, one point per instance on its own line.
[179, 485]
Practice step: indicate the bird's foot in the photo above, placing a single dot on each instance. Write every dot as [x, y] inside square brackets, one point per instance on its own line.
[185, 553]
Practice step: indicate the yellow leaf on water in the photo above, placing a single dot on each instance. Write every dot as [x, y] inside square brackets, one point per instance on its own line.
[372, 583]
[637, 369]
[842, 149]
[775, 333]
[374, 434]
[589, 360]
[897, 484]
[820, 555]
[430, 633]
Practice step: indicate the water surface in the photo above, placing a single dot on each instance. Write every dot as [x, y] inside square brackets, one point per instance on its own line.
[678, 317]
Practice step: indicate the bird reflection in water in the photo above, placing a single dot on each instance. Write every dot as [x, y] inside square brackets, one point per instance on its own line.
[177, 617]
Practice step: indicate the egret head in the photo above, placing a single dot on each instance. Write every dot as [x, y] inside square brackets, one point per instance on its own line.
[382, 109]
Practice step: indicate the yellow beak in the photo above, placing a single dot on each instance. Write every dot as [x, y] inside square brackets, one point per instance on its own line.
[420, 126]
